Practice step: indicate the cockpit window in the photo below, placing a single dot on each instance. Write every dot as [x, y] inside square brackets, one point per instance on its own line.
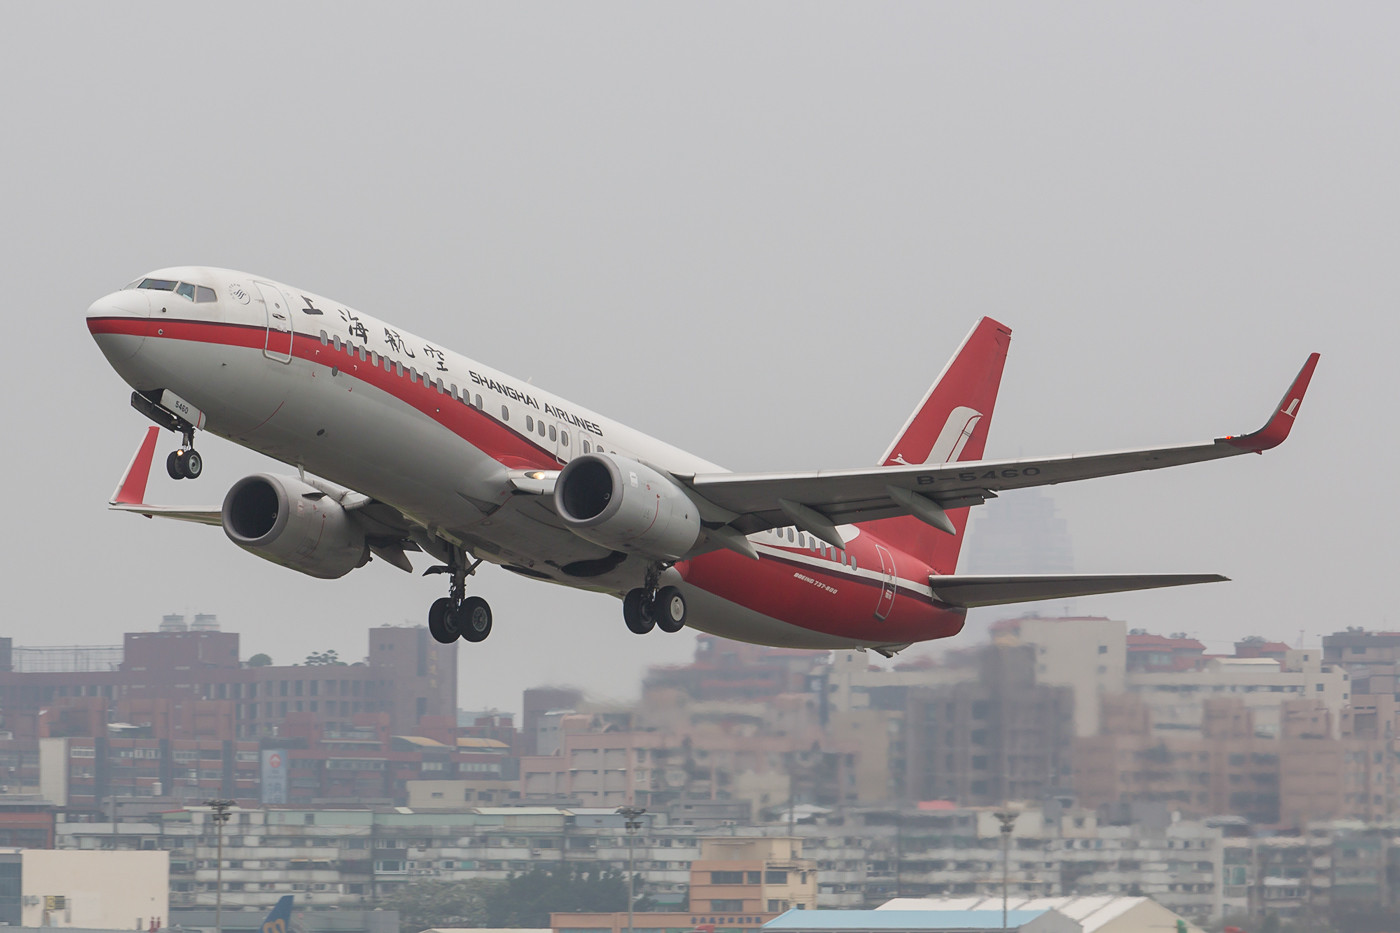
[185, 290]
[160, 285]
[204, 293]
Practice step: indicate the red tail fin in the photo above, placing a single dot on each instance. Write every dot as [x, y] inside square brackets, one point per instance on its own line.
[949, 425]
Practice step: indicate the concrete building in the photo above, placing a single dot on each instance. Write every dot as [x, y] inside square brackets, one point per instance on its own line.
[1001, 737]
[90, 890]
[1157, 654]
[349, 858]
[752, 875]
[191, 684]
[1176, 699]
[737, 884]
[1088, 654]
[1020, 533]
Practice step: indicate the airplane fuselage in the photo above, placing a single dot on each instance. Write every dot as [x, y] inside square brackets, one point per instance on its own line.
[436, 435]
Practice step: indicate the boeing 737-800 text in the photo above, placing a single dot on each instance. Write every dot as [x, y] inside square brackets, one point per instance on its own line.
[403, 445]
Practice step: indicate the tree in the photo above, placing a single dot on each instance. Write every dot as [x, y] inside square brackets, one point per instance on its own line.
[259, 660]
[527, 900]
[423, 905]
[324, 659]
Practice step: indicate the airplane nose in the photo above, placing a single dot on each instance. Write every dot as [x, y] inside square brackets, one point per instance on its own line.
[119, 323]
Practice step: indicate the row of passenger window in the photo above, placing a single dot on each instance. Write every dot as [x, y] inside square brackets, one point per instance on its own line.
[200, 293]
[815, 545]
[449, 388]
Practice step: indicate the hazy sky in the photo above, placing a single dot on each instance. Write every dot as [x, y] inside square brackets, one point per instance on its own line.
[754, 230]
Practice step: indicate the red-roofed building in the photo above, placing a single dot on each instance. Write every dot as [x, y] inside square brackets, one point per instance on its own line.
[1256, 647]
[1158, 654]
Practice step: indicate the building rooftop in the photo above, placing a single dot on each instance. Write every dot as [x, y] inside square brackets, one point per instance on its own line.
[900, 921]
[1091, 912]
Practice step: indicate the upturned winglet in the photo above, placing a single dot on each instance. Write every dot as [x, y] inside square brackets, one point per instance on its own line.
[1276, 431]
[132, 489]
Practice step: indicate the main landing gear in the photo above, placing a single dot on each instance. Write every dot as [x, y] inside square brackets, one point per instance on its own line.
[458, 615]
[653, 606]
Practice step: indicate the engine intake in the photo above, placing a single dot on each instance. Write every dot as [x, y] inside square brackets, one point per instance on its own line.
[284, 520]
[626, 506]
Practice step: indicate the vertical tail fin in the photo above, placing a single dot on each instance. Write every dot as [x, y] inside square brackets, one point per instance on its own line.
[949, 424]
[279, 918]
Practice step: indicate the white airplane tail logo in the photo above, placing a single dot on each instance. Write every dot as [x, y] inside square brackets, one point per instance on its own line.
[957, 431]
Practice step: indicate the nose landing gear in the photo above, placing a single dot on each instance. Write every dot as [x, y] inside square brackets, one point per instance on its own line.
[457, 615]
[185, 463]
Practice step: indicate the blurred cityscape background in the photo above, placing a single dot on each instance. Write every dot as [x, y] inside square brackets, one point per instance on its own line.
[1088, 758]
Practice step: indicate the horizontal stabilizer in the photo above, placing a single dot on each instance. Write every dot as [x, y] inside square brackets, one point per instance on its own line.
[967, 591]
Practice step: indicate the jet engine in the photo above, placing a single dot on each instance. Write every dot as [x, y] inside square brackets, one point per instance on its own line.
[626, 506]
[284, 520]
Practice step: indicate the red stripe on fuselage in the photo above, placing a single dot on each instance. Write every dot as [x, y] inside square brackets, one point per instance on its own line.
[471, 424]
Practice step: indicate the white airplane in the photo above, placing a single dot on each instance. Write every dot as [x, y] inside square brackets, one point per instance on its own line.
[403, 445]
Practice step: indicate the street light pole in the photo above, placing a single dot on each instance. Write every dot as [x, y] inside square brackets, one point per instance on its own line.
[221, 815]
[1007, 818]
[631, 815]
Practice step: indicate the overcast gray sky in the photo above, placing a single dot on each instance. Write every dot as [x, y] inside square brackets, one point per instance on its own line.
[756, 231]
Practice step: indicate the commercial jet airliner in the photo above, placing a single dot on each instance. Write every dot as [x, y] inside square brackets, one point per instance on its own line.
[401, 445]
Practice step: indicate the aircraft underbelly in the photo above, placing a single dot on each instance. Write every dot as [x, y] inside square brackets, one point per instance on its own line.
[226, 382]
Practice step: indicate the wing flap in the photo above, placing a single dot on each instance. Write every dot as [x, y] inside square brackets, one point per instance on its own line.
[968, 591]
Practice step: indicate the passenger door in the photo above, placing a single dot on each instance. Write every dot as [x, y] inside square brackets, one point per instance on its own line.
[886, 604]
[279, 323]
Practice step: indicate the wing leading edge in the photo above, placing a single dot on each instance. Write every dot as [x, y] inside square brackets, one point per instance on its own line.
[926, 491]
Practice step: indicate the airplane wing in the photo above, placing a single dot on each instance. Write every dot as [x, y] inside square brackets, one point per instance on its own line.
[388, 533]
[818, 501]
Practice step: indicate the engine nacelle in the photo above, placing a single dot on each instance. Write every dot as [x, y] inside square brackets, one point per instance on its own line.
[626, 506]
[284, 520]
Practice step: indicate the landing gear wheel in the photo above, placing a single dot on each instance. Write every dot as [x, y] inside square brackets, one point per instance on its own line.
[668, 609]
[184, 463]
[636, 612]
[440, 622]
[473, 618]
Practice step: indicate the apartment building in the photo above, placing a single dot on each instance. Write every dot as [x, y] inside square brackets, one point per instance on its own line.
[351, 857]
[1176, 698]
[189, 681]
[1001, 737]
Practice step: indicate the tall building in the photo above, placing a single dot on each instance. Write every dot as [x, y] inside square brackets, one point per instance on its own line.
[1019, 532]
[999, 738]
[1088, 654]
